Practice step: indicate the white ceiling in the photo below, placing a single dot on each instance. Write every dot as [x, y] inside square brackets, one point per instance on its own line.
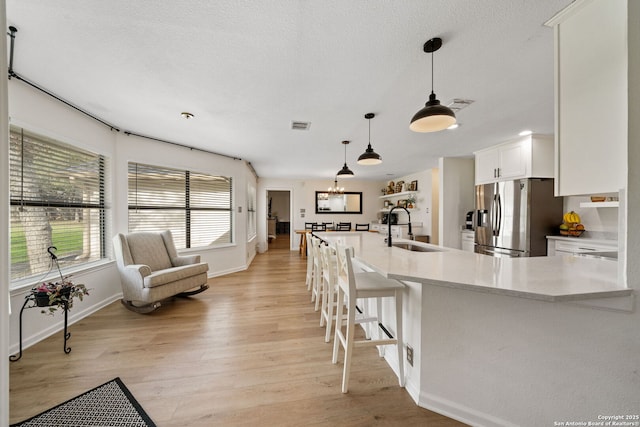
[246, 69]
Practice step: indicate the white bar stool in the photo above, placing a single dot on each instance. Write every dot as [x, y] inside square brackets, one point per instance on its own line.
[309, 279]
[329, 289]
[364, 285]
[316, 287]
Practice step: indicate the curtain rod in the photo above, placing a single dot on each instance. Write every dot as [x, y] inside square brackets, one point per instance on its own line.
[180, 145]
[12, 74]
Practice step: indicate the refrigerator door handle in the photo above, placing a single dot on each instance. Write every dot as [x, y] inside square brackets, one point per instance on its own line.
[494, 216]
[499, 229]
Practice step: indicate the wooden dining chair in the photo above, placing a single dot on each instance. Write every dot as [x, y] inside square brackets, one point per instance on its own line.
[362, 227]
[343, 226]
[318, 227]
[364, 285]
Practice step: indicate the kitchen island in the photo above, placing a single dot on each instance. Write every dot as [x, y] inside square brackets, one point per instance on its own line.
[502, 341]
[561, 278]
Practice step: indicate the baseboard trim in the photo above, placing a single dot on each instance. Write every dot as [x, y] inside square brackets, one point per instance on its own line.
[217, 273]
[460, 412]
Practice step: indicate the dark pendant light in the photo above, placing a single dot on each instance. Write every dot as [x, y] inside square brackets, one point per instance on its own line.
[345, 172]
[369, 157]
[433, 117]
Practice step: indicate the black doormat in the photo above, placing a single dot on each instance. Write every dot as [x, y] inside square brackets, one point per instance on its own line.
[108, 405]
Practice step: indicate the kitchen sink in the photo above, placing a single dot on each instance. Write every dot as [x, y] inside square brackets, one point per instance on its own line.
[414, 248]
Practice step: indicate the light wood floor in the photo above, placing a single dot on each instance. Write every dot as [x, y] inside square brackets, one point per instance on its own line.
[249, 351]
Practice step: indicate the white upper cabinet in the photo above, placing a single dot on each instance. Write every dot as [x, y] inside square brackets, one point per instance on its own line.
[591, 97]
[528, 157]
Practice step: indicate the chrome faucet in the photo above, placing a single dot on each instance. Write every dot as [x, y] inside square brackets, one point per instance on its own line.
[389, 223]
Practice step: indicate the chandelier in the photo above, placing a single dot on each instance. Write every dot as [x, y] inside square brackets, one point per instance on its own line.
[335, 190]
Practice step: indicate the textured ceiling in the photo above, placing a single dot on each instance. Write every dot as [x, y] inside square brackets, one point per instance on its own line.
[246, 69]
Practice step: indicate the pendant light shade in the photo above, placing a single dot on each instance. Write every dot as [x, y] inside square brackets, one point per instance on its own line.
[345, 172]
[434, 116]
[369, 157]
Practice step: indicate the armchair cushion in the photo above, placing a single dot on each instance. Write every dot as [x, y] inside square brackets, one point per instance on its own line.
[162, 277]
[149, 249]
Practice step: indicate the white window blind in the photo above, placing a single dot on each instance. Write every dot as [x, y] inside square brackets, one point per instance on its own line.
[57, 198]
[196, 207]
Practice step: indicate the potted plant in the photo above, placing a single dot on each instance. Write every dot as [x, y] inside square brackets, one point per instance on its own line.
[55, 294]
[411, 200]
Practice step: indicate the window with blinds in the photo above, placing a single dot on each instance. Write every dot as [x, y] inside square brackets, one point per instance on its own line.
[196, 207]
[57, 198]
[251, 212]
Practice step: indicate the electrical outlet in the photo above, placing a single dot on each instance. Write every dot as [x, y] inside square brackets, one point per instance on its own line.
[410, 355]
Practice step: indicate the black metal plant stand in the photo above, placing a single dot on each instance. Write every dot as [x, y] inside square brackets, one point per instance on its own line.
[31, 297]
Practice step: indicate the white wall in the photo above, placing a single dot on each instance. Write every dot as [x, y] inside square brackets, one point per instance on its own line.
[630, 234]
[4, 233]
[41, 114]
[423, 212]
[457, 189]
[134, 149]
[304, 192]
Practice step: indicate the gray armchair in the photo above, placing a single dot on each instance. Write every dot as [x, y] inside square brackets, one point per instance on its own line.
[151, 270]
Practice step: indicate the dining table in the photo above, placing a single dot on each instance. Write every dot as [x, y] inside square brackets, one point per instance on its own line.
[302, 248]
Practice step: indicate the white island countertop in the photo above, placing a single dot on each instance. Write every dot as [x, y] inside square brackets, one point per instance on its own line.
[558, 278]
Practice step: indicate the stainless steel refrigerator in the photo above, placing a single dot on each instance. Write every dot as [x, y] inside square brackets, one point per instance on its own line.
[513, 218]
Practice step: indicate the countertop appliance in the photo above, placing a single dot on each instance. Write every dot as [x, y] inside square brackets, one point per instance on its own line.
[513, 217]
[468, 224]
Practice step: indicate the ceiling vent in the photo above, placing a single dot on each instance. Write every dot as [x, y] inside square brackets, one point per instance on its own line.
[458, 104]
[300, 125]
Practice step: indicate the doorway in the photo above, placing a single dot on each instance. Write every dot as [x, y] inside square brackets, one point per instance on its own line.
[279, 219]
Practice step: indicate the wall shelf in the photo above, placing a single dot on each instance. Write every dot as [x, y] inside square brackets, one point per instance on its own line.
[402, 193]
[398, 210]
[599, 204]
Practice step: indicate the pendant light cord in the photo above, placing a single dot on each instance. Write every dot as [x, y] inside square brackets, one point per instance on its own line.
[431, 72]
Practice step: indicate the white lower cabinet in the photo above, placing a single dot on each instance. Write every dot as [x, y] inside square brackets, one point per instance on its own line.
[467, 240]
[396, 230]
[568, 247]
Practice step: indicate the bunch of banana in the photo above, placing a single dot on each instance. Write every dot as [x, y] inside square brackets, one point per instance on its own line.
[571, 218]
[571, 225]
